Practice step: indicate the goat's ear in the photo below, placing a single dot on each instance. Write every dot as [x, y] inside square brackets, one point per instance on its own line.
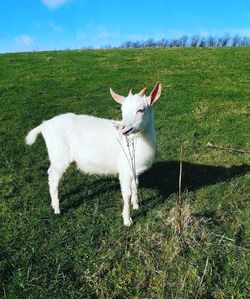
[155, 94]
[119, 99]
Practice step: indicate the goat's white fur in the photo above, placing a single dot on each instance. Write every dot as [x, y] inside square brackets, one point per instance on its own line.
[92, 143]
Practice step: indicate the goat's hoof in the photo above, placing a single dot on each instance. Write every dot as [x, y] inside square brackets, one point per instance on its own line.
[136, 206]
[57, 211]
[128, 222]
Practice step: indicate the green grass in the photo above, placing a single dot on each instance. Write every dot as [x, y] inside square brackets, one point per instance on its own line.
[86, 252]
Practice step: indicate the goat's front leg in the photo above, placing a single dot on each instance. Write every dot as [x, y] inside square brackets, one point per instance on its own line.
[134, 198]
[125, 182]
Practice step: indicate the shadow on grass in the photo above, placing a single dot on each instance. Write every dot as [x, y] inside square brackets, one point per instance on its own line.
[162, 177]
[89, 189]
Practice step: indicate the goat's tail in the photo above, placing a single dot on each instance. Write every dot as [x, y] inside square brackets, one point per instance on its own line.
[31, 137]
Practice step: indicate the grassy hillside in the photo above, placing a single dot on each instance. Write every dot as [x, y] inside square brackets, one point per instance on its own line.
[86, 252]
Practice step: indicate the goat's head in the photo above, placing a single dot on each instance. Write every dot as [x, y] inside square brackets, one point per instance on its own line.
[136, 109]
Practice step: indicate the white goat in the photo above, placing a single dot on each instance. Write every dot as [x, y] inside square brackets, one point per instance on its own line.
[92, 143]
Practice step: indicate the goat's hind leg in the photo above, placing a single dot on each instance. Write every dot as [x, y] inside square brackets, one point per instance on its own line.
[55, 175]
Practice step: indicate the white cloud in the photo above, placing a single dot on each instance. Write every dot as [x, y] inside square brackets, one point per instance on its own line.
[240, 31]
[3, 35]
[37, 25]
[56, 28]
[97, 35]
[51, 4]
[23, 40]
[225, 31]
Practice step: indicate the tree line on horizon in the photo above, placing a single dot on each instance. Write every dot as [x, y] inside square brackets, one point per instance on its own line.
[186, 41]
[193, 41]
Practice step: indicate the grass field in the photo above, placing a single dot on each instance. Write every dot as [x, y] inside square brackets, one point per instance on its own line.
[86, 252]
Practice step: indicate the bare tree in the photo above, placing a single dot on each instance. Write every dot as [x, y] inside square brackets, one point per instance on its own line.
[194, 41]
[183, 41]
[211, 41]
[245, 41]
[236, 40]
[225, 41]
[202, 42]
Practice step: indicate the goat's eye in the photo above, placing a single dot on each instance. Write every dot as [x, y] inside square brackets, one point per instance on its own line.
[140, 111]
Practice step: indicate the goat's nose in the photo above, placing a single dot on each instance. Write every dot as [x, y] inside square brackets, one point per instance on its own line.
[121, 126]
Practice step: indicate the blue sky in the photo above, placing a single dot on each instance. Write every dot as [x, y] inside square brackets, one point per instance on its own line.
[28, 25]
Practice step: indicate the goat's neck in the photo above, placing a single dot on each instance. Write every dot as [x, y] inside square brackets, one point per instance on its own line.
[148, 134]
